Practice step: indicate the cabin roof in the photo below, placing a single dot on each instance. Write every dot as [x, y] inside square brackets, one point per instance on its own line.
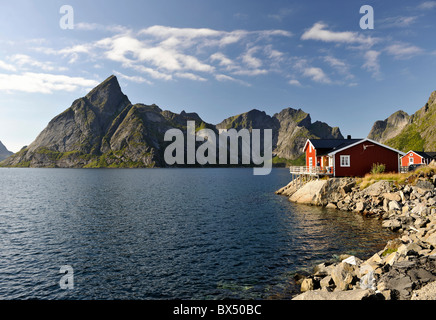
[325, 146]
[332, 146]
[423, 154]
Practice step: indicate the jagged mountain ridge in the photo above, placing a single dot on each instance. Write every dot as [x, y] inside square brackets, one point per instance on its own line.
[104, 129]
[4, 153]
[290, 127]
[409, 132]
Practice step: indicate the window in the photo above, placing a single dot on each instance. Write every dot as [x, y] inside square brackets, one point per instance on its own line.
[310, 162]
[411, 160]
[345, 161]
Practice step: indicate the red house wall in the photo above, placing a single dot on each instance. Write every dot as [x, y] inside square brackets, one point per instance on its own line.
[361, 159]
[405, 160]
[310, 154]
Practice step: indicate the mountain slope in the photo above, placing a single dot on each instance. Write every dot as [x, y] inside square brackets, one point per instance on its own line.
[290, 129]
[4, 153]
[404, 132]
[104, 129]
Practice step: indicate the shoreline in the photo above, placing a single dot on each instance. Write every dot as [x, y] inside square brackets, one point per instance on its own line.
[405, 269]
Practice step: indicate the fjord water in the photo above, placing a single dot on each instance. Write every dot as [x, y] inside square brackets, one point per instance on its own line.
[165, 234]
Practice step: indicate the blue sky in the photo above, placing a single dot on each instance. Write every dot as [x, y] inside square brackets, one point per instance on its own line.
[217, 58]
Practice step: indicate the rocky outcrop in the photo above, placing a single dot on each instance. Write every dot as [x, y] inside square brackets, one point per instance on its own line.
[4, 153]
[404, 132]
[384, 130]
[406, 268]
[104, 129]
[290, 127]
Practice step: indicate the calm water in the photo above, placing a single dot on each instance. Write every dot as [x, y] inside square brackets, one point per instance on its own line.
[164, 234]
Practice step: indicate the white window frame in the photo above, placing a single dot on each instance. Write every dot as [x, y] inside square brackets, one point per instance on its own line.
[310, 162]
[345, 161]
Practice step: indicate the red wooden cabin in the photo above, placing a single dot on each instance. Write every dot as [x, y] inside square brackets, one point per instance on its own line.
[349, 157]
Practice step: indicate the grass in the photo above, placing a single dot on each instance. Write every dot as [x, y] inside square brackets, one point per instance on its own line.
[300, 161]
[397, 178]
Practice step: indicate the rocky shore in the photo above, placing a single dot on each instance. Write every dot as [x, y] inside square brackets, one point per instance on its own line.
[406, 268]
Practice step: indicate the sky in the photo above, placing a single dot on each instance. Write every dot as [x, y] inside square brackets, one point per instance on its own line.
[217, 58]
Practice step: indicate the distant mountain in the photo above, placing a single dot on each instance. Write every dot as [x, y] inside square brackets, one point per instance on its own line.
[409, 132]
[4, 153]
[291, 128]
[104, 129]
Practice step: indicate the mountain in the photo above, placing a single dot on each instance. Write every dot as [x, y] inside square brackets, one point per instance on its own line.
[290, 128]
[409, 132]
[4, 153]
[104, 129]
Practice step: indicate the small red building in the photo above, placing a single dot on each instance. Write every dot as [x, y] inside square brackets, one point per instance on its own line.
[349, 157]
[417, 158]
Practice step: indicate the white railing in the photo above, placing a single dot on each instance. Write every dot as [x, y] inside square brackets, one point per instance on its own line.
[310, 170]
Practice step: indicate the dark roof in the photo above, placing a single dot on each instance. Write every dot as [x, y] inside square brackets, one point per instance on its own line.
[428, 155]
[325, 146]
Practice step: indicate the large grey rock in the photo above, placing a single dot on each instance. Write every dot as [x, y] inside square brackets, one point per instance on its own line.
[309, 193]
[394, 205]
[344, 276]
[357, 294]
[377, 188]
[427, 292]
[4, 153]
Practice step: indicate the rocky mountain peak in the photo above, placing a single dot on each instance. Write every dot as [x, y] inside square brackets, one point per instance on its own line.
[107, 96]
[4, 153]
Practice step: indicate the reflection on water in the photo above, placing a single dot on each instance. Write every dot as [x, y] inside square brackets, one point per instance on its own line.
[165, 234]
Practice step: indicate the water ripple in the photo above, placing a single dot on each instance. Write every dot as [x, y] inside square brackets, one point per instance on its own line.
[164, 234]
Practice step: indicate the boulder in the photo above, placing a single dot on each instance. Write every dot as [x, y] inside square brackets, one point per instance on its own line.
[307, 284]
[358, 294]
[309, 193]
[360, 206]
[392, 196]
[392, 224]
[394, 205]
[378, 188]
[422, 186]
[344, 276]
[331, 205]
[427, 292]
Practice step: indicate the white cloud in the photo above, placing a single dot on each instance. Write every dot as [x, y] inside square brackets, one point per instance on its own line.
[399, 21]
[166, 53]
[250, 60]
[150, 71]
[403, 50]
[319, 32]
[316, 74]
[136, 79]
[42, 83]
[427, 5]
[250, 72]
[223, 78]
[85, 26]
[7, 66]
[372, 63]
[341, 66]
[23, 60]
[281, 14]
[190, 76]
[295, 82]
[223, 60]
